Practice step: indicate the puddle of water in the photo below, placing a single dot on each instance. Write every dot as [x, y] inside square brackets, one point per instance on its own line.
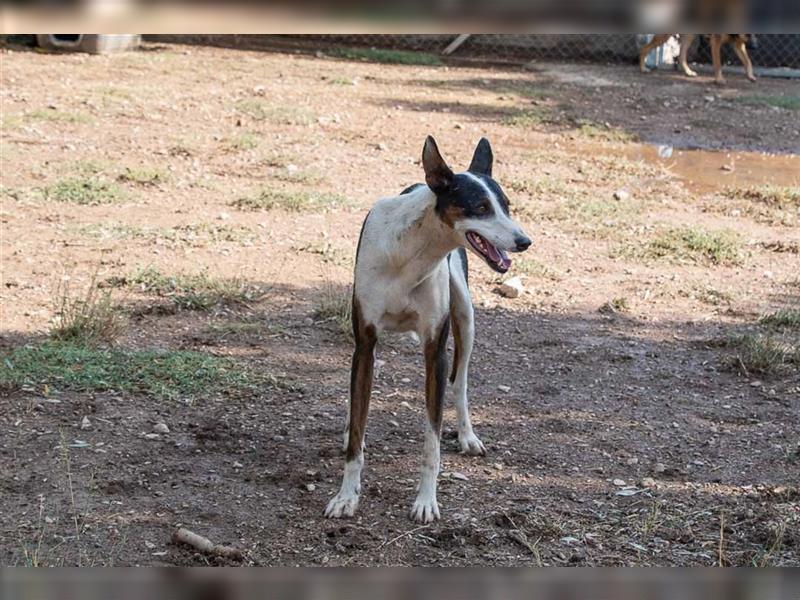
[705, 171]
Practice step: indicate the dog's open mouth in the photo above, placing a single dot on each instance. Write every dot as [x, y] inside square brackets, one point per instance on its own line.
[495, 258]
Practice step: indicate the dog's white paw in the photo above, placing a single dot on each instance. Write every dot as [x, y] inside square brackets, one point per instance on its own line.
[342, 505]
[471, 444]
[690, 73]
[425, 510]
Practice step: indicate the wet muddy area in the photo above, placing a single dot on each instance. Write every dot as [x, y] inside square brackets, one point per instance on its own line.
[709, 171]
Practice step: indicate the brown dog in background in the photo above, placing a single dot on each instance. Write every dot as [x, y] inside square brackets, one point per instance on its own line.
[737, 40]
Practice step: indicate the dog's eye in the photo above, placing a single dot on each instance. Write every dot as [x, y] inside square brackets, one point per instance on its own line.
[483, 208]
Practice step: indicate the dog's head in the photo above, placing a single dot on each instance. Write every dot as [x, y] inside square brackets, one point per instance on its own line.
[474, 206]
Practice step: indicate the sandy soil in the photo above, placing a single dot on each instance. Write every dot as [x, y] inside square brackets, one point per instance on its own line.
[625, 436]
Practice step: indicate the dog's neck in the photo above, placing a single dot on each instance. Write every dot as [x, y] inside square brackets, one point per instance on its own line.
[423, 242]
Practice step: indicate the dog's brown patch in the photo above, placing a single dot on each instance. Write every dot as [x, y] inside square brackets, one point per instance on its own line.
[450, 214]
[436, 374]
[361, 375]
[456, 347]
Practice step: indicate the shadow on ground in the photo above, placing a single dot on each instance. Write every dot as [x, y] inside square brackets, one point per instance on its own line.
[617, 442]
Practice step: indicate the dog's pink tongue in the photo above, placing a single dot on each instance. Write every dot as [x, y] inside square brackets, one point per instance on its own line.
[498, 256]
[493, 253]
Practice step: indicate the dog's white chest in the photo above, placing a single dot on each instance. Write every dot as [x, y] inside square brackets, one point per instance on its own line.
[400, 322]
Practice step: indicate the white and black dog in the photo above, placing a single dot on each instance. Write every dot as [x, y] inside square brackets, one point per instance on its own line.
[411, 276]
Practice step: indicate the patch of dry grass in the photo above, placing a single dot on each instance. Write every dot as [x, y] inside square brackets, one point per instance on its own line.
[765, 354]
[689, 244]
[84, 191]
[144, 175]
[259, 110]
[199, 291]
[771, 204]
[89, 319]
[333, 303]
[290, 201]
[784, 318]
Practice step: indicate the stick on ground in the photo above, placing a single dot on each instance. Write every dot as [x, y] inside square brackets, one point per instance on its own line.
[184, 536]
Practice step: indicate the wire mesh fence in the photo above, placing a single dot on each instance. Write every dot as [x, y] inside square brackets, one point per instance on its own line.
[769, 50]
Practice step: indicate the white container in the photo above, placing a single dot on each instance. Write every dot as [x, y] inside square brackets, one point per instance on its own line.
[666, 54]
[91, 43]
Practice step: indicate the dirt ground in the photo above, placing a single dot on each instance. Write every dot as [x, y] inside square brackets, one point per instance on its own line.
[620, 428]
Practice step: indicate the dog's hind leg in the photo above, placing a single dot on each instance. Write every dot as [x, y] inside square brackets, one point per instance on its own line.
[463, 322]
[716, 58]
[683, 59]
[739, 46]
[425, 508]
[344, 504]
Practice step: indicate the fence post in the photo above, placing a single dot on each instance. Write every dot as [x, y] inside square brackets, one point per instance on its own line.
[454, 45]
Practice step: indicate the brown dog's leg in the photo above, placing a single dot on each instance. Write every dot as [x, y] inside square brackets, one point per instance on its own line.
[741, 51]
[683, 59]
[716, 58]
[344, 504]
[645, 50]
[425, 508]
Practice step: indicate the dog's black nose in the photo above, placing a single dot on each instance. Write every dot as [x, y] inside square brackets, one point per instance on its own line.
[522, 243]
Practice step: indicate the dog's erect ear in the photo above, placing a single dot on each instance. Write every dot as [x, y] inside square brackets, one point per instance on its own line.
[482, 159]
[438, 175]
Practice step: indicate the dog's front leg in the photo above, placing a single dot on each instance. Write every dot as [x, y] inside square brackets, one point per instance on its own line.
[344, 503]
[425, 508]
[716, 58]
[463, 324]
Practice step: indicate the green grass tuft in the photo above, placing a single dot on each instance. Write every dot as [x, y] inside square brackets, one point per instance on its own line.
[196, 292]
[333, 303]
[161, 374]
[84, 191]
[785, 102]
[615, 305]
[341, 81]
[56, 116]
[770, 195]
[89, 320]
[713, 297]
[89, 167]
[528, 117]
[773, 204]
[722, 247]
[305, 176]
[533, 268]
[280, 115]
[193, 234]
[387, 56]
[243, 141]
[596, 131]
[290, 201]
[785, 317]
[144, 175]
[765, 354]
